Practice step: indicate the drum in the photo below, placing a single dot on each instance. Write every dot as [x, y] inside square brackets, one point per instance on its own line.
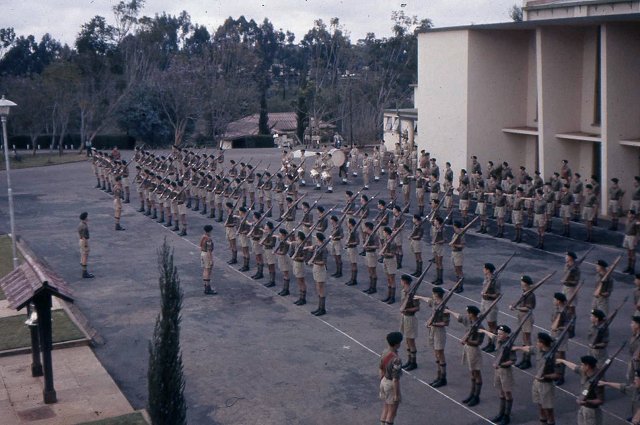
[314, 173]
[338, 157]
[325, 175]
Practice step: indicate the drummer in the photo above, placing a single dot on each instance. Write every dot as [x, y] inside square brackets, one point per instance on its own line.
[327, 168]
[315, 171]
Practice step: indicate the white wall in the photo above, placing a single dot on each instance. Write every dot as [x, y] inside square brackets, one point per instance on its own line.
[442, 97]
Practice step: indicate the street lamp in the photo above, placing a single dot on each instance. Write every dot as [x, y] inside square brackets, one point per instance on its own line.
[5, 107]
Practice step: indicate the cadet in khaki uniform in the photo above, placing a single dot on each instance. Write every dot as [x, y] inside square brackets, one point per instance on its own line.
[630, 241]
[416, 243]
[571, 279]
[336, 244]
[604, 288]
[589, 211]
[387, 252]
[543, 389]
[117, 202]
[503, 373]
[526, 305]
[279, 193]
[267, 193]
[500, 210]
[598, 336]
[437, 247]
[243, 240]
[182, 209]
[481, 204]
[319, 262]
[289, 215]
[392, 181]
[367, 165]
[409, 321]
[298, 253]
[268, 243]
[390, 371]
[284, 263]
[398, 225]
[421, 187]
[490, 291]
[560, 319]
[615, 202]
[353, 241]
[255, 233]
[517, 212]
[206, 259]
[438, 334]
[83, 234]
[589, 412]
[457, 256]
[230, 231]
[471, 355]
[629, 389]
[371, 245]
[550, 199]
[539, 217]
[566, 200]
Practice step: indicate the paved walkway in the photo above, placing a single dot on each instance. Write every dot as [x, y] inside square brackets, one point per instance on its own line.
[85, 390]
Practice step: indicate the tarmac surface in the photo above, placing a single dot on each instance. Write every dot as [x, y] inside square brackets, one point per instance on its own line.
[251, 356]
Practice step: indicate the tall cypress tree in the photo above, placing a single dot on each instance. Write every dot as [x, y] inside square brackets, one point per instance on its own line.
[167, 405]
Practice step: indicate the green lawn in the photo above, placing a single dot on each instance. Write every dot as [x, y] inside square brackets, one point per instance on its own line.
[41, 160]
[15, 334]
[135, 418]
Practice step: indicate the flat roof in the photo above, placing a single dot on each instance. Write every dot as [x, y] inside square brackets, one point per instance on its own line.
[530, 25]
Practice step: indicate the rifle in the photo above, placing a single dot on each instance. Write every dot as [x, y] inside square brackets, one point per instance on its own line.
[244, 219]
[474, 327]
[267, 181]
[414, 288]
[181, 191]
[503, 266]
[525, 294]
[260, 220]
[606, 276]
[340, 220]
[443, 304]
[376, 227]
[295, 204]
[607, 322]
[315, 252]
[463, 231]
[578, 262]
[311, 229]
[391, 237]
[550, 356]
[503, 355]
[432, 214]
[226, 222]
[362, 207]
[593, 381]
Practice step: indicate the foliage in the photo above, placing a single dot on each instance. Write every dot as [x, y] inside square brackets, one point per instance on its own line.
[165, 79]
[167, 404]
[515, 13]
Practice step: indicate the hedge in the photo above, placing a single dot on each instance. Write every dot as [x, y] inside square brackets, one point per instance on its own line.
[102, 141]
[258, 141]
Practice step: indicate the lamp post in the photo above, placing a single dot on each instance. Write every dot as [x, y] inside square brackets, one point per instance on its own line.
[5, 107]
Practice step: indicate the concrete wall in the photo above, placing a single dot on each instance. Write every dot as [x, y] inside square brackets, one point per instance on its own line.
[621, 91]
[532, 83]
[574, 11]
[589, 64]
[559, 63]
[498, 88]
[442, 99]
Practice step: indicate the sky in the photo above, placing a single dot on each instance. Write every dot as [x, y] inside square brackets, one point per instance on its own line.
[64, 18]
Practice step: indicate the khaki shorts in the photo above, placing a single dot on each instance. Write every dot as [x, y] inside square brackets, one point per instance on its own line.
[336, 247]
[564, 345]
[391, 185]
[409, 326]
[481, 208]
[634, 205]
[629, 242]
[174, 208]
[527, 327]
[386, 392]
[600, 303]
[438, 337]
[125, 182]
[416, 246]
[503, 379]
[463, 204]
[499, 212]
[551, 208]
[84, 247]
[516, 216]
[588, 213]
[390, 266]
[284, 262]
[230, 233]
[433, 196]
[182, 209]
[352, 253]
[472, 357]
[493, 314]
[539, 220]
[543, 393]
[298, 269]
[457, 258]
[269, 256]
[565, 211]
[319, 273]
[568, 291]
[448, 200]
[243, 241]
[206, 261]
[588, 416]
[437, 249]
[257, 247]
[371, 259]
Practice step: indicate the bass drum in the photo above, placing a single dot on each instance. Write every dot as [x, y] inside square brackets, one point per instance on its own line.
[298, 154]
[338, 157]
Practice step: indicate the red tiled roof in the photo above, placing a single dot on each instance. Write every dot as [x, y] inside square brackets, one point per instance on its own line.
[31, 278]
[279, 122]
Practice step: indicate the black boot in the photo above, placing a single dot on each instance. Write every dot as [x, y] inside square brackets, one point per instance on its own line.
[373, 281]
[442, 371]
[141, 209]
[148, 213]
[476, 396]
[438, 377]
[399, 261]
[197, 207]
[245, 265]
[413, 364]
[525, 363]
[498, 418]
[392, 298]
[87, 275]
[438, 280]
[320, 311]
[406, 365]
[176, 226]
[460, 287]
[204, 209]
[285, 288]
[219, 219]
[118, 227]
[258, 274]
[155, 214]
[384, 300]
[490, 347]
[161, 219]
[302, 298]
[208, 290]
[169, 222]
[418, 271]
[471, 393]
[506, 419]
[352, 281]
[234, 258]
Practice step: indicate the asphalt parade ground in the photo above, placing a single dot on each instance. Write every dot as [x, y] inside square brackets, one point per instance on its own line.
[253, 357]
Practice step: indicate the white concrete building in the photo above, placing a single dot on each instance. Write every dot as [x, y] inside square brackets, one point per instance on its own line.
[565, 84]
